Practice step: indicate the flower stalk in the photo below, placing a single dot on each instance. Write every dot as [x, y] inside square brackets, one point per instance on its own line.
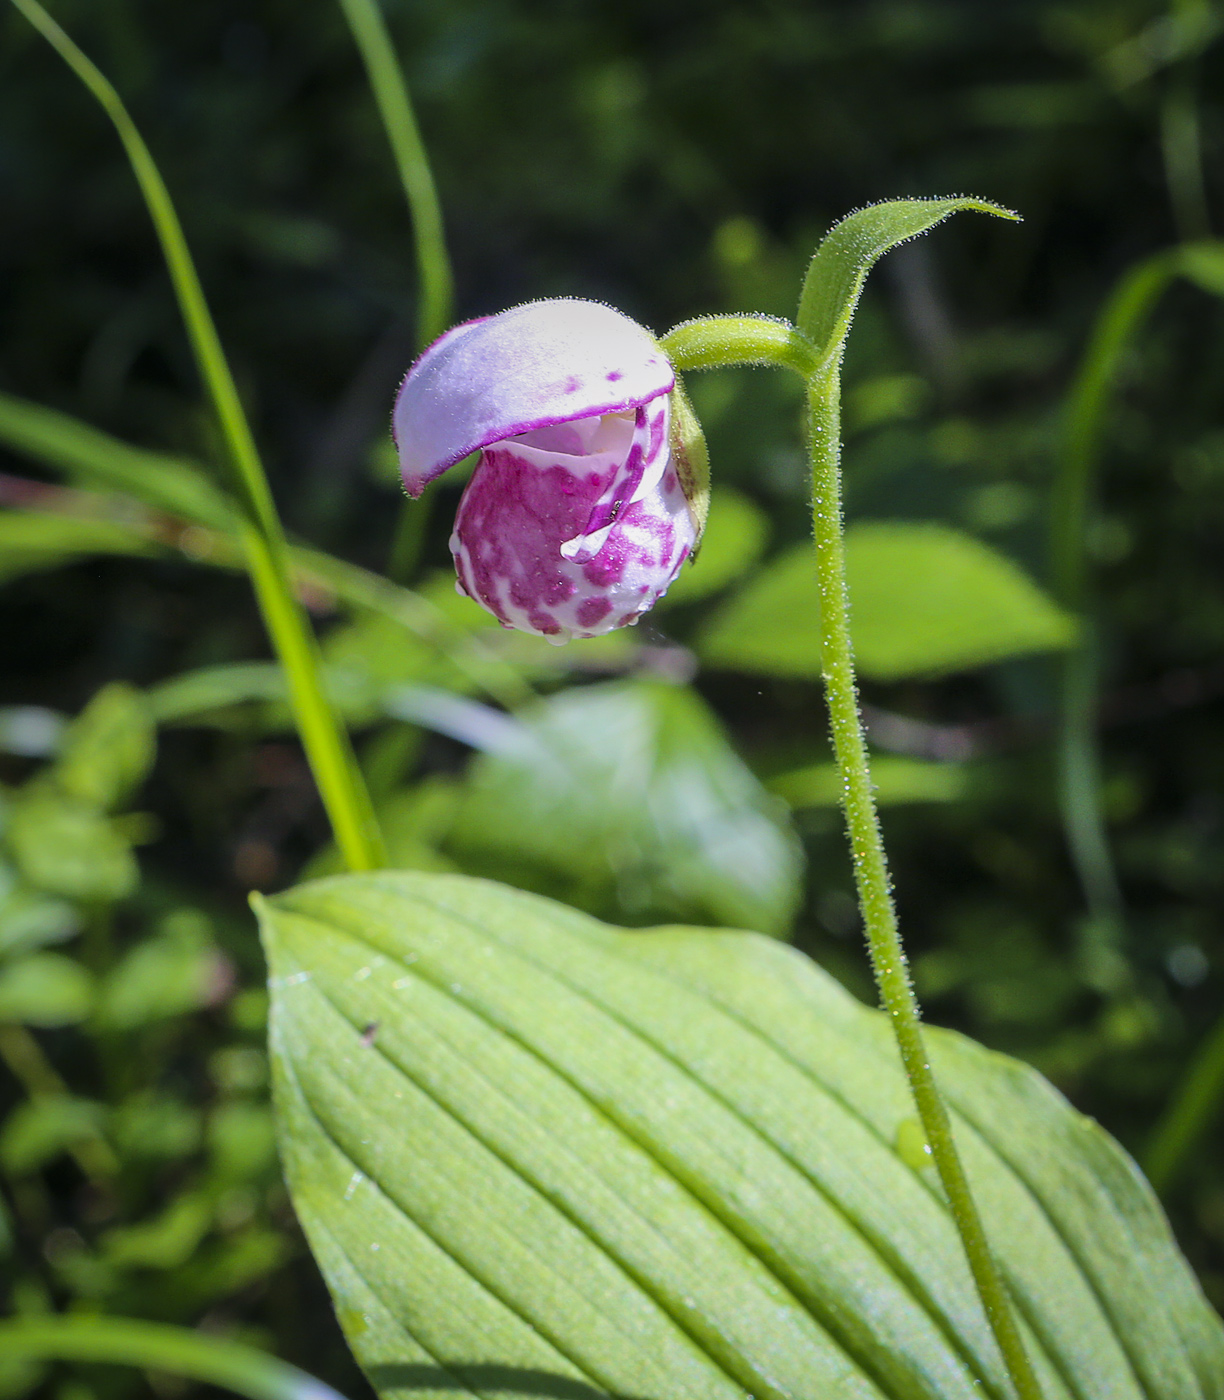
[888, 958]
[724, 341]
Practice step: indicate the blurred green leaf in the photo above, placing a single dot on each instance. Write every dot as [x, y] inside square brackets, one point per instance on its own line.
[165, 1242]
[1203, 264]
[628, 796]
[223, 1267]
[175, 972]
[241, 1141]
[377, 648]
[68, 848]
[414, 822]
[29, 920]
[154, 1126]
[34, 540]
[94, 458]
[896, 780]
[108, 749]
[517, 1138]
[45, 989]
[38, 1130]
[194, 696]
[734, 539]
[924, 600]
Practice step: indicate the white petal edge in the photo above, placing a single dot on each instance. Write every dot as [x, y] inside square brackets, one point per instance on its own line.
[545, 362]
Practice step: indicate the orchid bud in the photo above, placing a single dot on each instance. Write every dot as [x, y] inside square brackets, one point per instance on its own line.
[590, 490]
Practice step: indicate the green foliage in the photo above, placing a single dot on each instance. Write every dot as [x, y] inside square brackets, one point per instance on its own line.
[45, 989]
[94, 458]
[896, 780]
[627, 796]
[31, 541]
[924, 599]
[69, 848]
[515, 1136]
[38, 1131]
[734, 539]
[107, 750]
[177, 970]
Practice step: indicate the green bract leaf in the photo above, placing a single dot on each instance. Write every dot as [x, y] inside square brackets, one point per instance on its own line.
[627, 796]
[851, 248]
[924, 600]
[540, 1156]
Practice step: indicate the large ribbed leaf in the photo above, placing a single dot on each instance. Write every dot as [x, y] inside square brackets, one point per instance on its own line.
[536, 1155]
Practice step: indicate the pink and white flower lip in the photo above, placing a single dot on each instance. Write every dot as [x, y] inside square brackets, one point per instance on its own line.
[575, 520]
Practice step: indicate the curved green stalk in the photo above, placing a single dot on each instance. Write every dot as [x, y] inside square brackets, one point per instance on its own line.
[390, 90]
[324, 739]
[435, 280]
[1124, 313]
[1074, 481]
[717, 342]
[1195, 1104]
[871, 873]
[156, 1346]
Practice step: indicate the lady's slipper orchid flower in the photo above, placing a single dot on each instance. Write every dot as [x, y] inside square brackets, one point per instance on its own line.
[578, 514]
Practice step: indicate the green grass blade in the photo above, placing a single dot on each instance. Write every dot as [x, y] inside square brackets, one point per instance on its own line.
[1076, 471]
[390, 90]
[326, 743]
[157, 1346]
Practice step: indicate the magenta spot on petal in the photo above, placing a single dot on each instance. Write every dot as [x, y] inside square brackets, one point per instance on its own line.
[644, 588]
[544, 622]
[559, 590]
[573, 384]
[593, 610]
[607, 568]
[614, 374]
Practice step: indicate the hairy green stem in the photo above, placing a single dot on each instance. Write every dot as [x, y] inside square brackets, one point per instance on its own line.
[323, 737]
[390, 90]
[717, 342]
[871, 874]
[158, 1347]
